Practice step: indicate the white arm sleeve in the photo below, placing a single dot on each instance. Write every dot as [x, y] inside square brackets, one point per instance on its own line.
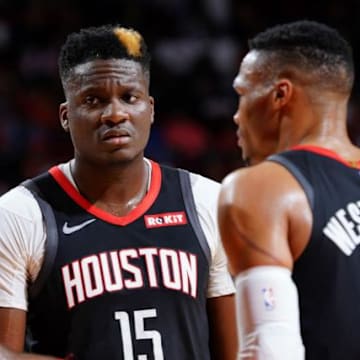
[268, 315]
[206, 192]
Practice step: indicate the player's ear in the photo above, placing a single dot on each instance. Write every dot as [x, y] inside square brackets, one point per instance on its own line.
[283, 91]
[63, 115]
[152, 103]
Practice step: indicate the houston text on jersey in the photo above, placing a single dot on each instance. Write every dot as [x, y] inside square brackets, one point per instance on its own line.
[133, 269]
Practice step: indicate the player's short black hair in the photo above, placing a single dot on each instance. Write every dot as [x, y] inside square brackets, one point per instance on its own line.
[310, 45]
[102, 42]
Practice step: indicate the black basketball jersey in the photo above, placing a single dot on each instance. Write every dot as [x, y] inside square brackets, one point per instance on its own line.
[124, 288]
[327, 274]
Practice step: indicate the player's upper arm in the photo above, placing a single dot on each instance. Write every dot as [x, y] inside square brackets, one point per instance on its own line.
[255, 212]
[21, 246]
[206, 193]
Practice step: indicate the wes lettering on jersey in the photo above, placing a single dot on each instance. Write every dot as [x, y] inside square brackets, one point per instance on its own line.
[344, 228]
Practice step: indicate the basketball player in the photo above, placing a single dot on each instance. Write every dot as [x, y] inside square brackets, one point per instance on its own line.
[136, 270]
[290, 221]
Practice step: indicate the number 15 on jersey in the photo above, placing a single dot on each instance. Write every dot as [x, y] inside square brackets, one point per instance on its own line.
[139, 317]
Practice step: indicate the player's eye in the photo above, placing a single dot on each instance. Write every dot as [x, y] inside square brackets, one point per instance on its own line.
[92, 100]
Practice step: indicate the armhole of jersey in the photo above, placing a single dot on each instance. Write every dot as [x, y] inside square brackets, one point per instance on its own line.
[191, 210]
[299, 176]
[51, 242]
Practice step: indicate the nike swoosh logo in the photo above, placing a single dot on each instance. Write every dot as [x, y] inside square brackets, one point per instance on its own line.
[71, 229]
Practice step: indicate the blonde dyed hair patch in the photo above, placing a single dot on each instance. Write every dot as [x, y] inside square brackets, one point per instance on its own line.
[131, 40]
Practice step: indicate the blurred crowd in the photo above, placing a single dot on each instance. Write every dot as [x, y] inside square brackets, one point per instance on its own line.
[196, 48]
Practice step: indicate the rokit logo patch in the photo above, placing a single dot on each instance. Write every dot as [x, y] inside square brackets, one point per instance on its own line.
[165, 219]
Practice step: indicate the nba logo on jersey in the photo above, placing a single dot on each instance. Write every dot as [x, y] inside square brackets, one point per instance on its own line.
[269, 298]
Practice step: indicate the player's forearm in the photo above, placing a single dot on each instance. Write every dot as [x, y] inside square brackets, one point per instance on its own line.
[6, 354]
[222, 325]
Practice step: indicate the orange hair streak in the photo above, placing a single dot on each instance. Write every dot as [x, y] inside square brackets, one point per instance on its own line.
[131, 39]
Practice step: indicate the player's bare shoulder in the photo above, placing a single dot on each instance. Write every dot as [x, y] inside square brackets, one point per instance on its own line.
[266, 204]
[261, 183]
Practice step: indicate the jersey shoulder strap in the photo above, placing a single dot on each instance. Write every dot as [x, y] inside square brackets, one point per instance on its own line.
[188, 196]
[51, 242]
[296, 172]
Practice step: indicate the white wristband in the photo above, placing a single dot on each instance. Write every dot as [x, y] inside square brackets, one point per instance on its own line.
[268, 315]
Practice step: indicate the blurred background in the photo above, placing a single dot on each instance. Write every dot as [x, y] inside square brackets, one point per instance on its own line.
[196, 48]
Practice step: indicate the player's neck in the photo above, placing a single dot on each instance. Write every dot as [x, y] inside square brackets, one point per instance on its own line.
[117, 192]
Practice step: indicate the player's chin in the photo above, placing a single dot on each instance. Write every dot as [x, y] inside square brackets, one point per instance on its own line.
[123, 155]
[245, 156]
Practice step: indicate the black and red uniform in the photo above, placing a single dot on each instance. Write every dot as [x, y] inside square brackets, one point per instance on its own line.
[125, 288]
[327, 274]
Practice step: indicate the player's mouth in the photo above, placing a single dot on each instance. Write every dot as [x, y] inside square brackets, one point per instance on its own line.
[116, 136]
